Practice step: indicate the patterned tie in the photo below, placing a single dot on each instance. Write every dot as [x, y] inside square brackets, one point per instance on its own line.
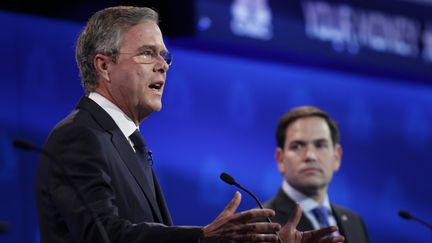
[321, 214]
[141, 153]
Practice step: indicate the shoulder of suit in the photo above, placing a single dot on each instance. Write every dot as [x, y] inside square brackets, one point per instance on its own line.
[343, 210]
[280, 202]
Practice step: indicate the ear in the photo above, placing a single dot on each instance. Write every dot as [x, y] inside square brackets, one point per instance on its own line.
[102, 64]
[279, 160]
[337, 157]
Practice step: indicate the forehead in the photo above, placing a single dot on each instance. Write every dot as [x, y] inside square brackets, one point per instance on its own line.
[146, 33]
[308, 128]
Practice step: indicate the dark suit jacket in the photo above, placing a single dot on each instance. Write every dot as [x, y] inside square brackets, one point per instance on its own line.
[103, 165]
[351, 226]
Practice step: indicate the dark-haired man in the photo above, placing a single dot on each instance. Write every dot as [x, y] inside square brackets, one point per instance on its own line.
[308, 153]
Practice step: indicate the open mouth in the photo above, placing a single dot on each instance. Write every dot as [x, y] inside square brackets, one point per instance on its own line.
[156, 86]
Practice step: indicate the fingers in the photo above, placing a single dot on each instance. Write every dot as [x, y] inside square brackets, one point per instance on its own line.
[321, 233]
[257, 232]
[252, 215]
[232, 206]
[237, 227]
[258, 227]
[251, 232]
[295, 217]
[333, 239]
[288, 231]
[252, 238]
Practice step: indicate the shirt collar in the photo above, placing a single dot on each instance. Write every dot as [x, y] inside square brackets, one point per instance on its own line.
[126, 125]
[306, 203]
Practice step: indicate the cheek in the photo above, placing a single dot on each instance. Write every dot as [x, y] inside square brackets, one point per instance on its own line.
[292, 159]
[327, 159]
[140, 78]
[329, 168]
[144, 71]
[290, 163]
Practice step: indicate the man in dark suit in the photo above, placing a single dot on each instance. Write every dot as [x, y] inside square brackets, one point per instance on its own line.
[123, 63]
[308, 153]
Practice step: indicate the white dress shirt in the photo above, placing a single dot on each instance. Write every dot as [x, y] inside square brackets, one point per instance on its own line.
[307, 204]
[126, 125]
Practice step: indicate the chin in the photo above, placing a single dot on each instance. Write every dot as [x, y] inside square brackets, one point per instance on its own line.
[158, 108]
[155, 106]
[311, 184]
[149, 108]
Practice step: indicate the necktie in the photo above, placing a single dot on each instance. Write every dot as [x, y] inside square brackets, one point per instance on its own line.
[141, 153]
[321, 214]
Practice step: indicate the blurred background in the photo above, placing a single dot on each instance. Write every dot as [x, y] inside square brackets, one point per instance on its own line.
[238, 66]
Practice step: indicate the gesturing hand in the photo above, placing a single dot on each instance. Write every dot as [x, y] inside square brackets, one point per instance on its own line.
[289, 233]
[240, 227]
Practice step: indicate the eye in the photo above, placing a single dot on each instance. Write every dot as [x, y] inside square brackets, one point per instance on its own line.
[321, 144]
[167, 57]
[147, 52]
[296, 146]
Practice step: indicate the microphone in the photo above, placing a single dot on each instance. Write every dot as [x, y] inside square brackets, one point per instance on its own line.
[406, 215]
[4, 227]
[23, 144]
[231, 181]
[26, 145]
[150, 157]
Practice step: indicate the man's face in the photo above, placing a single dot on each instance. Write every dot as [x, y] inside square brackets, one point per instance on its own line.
[133, 86]
[309, 158]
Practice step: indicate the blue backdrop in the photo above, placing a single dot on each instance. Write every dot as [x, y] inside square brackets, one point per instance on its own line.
[219, 114]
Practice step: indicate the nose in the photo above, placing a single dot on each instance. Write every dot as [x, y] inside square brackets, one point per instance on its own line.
[160, 65]
[310, 154]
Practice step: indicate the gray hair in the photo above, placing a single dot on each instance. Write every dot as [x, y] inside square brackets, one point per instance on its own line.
[102, 35]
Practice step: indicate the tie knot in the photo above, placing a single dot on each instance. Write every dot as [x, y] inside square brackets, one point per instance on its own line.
[138, 140]
[321, 210]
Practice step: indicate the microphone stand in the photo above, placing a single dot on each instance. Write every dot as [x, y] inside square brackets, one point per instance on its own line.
[408, 216]
[231, 181]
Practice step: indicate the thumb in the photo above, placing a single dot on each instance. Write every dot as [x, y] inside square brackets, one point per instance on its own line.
[289, 232]
[295, 217]
[232, 206]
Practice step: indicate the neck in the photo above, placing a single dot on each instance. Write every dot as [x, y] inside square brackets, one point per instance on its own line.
[107, 94]
[319, 197]
[317, 194]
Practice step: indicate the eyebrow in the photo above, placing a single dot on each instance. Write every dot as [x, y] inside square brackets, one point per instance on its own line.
[321, 140]
[313, 141]
[153, 48]
[297, 142]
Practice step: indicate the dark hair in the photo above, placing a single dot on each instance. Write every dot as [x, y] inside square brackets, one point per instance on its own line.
[102, 35]
[302, 112]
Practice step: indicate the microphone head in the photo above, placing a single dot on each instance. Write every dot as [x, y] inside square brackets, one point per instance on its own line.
[22, 144]
[227, 178]
[405, 214]
[4, 227]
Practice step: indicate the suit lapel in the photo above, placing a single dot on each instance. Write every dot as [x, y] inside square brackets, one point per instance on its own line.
[341, 220]
[286, 206]
[123, 148]
[128, 155]
[161, 202]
